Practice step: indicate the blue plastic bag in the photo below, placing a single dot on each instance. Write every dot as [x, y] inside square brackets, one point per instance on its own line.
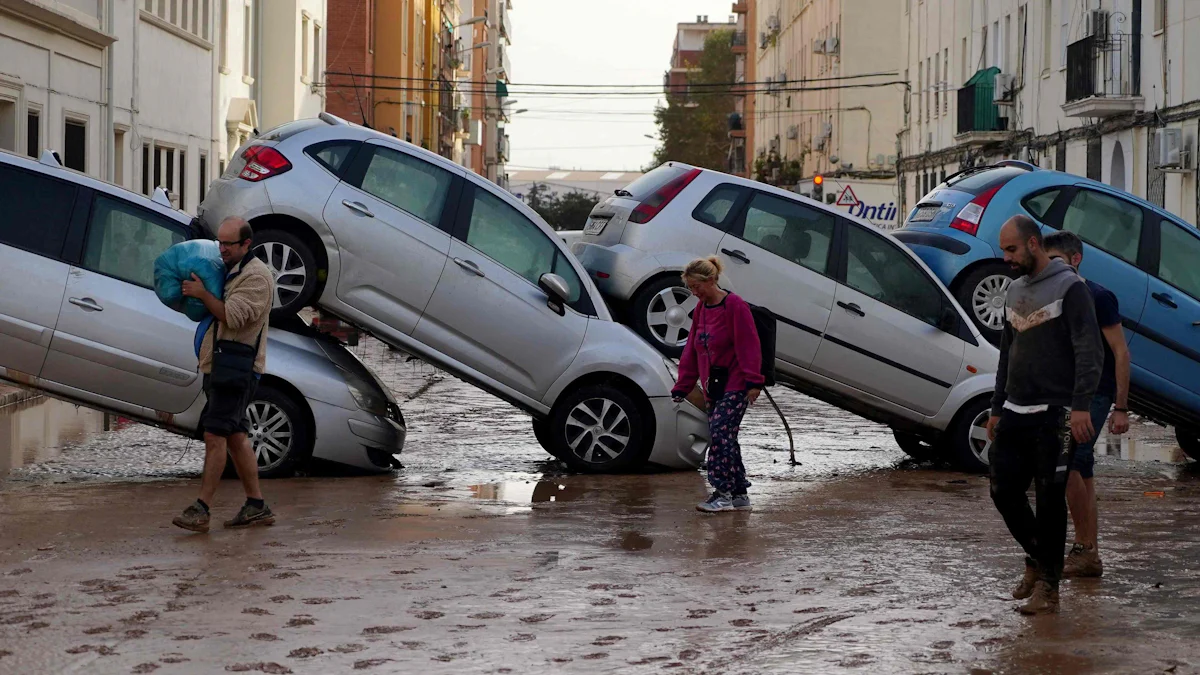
[177, 264]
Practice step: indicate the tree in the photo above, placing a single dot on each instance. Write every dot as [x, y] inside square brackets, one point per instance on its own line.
[568, 211]
[694, 129]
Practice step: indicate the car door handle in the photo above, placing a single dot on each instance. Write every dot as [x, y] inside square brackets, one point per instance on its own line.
[852, 308]
[736, 255]
[469, 266]
[1164, 299]
[358, 206]
[86, 303]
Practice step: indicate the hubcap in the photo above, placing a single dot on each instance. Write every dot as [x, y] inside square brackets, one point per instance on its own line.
[981, 445]
[287, 267]
[270, 433]
[598, 430]
[988, 300]
[669, 315]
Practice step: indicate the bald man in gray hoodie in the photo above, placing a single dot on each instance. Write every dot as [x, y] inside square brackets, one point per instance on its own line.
[1051, 356]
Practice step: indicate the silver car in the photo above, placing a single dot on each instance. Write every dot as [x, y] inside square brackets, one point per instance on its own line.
[862, 323]
[445, 265]
[79, 319]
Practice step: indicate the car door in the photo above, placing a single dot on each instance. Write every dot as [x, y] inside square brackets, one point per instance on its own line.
[35, 213]
[777, 255]
[1168, 337]
[883, 335]
[391, 224]
[114, 337]
[488, 312]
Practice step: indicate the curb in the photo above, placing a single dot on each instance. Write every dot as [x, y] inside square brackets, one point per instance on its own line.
[18, 395]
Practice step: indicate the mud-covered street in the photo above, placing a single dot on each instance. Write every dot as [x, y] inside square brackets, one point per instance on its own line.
[481, 556]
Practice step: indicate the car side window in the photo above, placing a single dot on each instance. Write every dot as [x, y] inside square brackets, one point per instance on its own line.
[1106, 222]
[123, 240]
[36, 211]
[505, 235]
[1038, 205]
[879, 269]
[332, 154]
[410, 184]
[715, 208]
[792, 231]
[1177, 264]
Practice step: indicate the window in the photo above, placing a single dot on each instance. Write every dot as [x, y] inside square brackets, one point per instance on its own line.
[877, 268]
[790, 230]
[123, 241]
[1106, 222]
[119, 157]
[247, 39]
[316, 53]
[1038, 205]
[33, 133]
[146, 180]
[1177, 265]
[408, 183]
[182, 184]
[946, 80]
[1160, 15]
[8, 124]
[1047, 35]
[996, 40]
[716, 206]
[1005, 39]
[1064, 32]
[304, 47]
[75, 145]
[500, 232]
[964, 67]
[332, 154]
[937, 88]
[37, 211]
[203, 177]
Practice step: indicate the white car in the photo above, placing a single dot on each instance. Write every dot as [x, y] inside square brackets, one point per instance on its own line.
[862, 322]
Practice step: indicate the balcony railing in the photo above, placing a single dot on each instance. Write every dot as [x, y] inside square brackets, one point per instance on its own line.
[1104, 66]
[739, 42]
[976, 111]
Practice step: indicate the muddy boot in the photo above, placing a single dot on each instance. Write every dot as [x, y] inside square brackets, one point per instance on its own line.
[1043, 601]
[1083, 562]
[250, 516]
[194, 518]
[1025, 588]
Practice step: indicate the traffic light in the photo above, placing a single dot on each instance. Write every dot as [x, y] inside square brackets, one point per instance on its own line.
[818, 190]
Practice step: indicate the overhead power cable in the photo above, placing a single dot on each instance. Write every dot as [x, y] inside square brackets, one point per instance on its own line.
[658, 85]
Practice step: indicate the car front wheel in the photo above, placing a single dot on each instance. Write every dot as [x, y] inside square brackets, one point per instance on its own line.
[1189, 441]
[920, 448]
[982, 293]
[968, 444]
[599, 429]
[294, 267]
[279, 432]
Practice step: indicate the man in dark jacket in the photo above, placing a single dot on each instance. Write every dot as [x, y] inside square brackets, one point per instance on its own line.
[1050, 361]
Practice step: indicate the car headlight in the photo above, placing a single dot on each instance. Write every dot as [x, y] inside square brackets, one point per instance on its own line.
[367, 395]
[672, 369]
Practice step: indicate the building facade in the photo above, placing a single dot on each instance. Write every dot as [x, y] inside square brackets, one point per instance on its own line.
[686, 51]
[741, 128]
[1097, 88]
[485, 56]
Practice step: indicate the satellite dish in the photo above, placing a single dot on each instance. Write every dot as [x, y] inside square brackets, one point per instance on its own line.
[833, 159]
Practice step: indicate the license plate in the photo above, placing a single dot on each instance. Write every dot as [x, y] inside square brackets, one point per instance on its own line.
[925, 214]
[595, 225]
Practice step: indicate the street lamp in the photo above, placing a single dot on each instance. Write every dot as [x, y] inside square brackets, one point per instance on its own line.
[472, 20]
[479, 45]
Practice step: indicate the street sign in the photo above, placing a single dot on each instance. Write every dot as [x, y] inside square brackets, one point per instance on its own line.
[848, 198]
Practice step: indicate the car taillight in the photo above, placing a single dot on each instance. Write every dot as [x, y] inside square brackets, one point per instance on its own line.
[661, 197]
[971, 215]
[263, 161]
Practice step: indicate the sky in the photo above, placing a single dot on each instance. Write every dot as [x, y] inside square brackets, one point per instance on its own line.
[618, 42]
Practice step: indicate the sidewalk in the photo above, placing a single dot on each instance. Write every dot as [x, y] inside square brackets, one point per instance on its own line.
[10, 394]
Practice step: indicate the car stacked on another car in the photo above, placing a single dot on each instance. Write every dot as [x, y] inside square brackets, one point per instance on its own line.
[79, 319]
[1145, 255]
[862, 323]
[445, 265]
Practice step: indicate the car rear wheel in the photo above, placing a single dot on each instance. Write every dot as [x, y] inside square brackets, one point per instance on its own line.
[599, 429]
[1189, 441]
[279, 433]
[982, 293]
[661, 313]
[920, 448]
[968, 443]
[294, 267]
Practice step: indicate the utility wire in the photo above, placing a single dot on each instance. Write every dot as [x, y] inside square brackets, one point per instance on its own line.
[659, 85]
[742, 90]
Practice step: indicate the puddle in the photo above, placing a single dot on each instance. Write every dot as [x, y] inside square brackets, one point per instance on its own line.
[527, 491]
[1138, 450]
[35, 431]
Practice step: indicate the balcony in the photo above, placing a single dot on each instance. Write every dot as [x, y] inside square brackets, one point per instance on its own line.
[741, 7]
[503, 63]
[502, 148]
[979, 120]
[739, 42]
[1104, 76]
[505, 27]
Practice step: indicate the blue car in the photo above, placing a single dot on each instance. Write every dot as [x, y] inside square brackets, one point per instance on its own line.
[1148, 257]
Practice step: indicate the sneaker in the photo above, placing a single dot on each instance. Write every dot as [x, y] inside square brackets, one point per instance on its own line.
[250, 516]
[741, 502]
[1083, 562]
[1043, 601]
[719, 501]
[1025, 588]
[193, 518]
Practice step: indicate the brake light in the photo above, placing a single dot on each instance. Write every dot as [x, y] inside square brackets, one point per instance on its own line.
[263, 161]
[661, 197]
[971, 215]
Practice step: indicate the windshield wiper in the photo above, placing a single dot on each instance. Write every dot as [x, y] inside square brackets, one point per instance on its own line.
[622, 192]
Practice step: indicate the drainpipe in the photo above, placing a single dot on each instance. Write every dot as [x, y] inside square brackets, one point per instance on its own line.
[109, 142]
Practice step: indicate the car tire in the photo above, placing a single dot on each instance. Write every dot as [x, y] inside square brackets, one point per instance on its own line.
[967, 444]
[626, 433]
[1189, 441]
[279, 433]
[981, 293]
[295, 269]
[541, 431]
[661, 312]
[920, 448]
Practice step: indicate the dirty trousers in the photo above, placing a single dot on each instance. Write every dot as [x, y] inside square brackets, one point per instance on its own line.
[1026, 450]
[726, 473]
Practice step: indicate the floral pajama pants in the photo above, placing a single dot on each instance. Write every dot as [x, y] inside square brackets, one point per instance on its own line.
[726, 473]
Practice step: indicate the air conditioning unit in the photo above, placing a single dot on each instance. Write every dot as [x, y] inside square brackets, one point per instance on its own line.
[475, 132]
[832, 45]
[1097, 24]
[827, 130]
[929, 142]
[1172, 155]
[818, 46]
[821, 142]
[773, 144]
[793, 132]
[773, 23]
[1004, 88]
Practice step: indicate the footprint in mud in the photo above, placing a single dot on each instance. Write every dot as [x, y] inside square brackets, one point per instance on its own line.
[250, 587]
[336, 522]
[369, 663]
[470, 626]
[522, 637]
[143, 668]
[9, 593]
[274, 544]
[141, 617]
[594, 657]
[429, 615]
[856, 661]
[981, 623]
[810, 610]
[141, 576]
[483, 616]
[102, 650]
[285, 575]
[38, 625]
[561, 659]
[98, 630]
[607, 640]
[188, 638]
[260, 667]
[135, 634]
[14, 620]
[741, 623]
[413, 645]
[385, 630]
[610, 587]
[305, 653]
[256, 611]
[348, 648]
[20, 571]
[990, 643]
[263, 567]
[301, 620]
[173, 659]
[536, 618]
[318, 601]
[700, 613]
[280, 598]
[4, 653]
[689, 655]
[264, 637]
[942, 644]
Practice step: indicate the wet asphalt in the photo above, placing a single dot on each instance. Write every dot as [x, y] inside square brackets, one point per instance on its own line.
[481, 555]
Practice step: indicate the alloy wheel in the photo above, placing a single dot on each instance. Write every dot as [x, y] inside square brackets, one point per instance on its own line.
[598, 430]
[987, 302]
[270, 433]
[287, 267]
[981, 445]
[669, 315]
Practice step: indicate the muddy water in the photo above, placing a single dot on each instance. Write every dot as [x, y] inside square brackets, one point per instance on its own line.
[36, 430]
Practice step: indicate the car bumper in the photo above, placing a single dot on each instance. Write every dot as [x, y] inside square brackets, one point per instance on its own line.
[681, 437]
[232, 197]
[945, 252]
[616, 270]
[357, 438]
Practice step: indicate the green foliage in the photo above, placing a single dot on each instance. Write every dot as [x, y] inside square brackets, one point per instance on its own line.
[568, 211]
[696, 130]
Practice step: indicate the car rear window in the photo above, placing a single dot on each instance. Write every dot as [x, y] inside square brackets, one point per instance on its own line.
[648, 184]
[978, 182]
[289, 129]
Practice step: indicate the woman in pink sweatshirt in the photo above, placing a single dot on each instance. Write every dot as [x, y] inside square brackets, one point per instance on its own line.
[723, 352]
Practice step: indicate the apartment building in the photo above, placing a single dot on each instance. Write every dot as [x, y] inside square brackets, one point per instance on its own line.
[485, 55]
[1097, 88]
[741, 128]
[687, 49]
[828, 83]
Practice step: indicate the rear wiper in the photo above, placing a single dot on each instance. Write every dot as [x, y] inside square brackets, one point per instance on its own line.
[622, 192]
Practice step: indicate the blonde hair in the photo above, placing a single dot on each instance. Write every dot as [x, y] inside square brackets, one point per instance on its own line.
[704, 269]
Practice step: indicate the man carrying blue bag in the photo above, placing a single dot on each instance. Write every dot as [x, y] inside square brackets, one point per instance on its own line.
[232, 358]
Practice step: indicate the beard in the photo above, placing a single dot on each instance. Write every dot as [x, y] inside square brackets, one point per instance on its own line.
[1023, 266]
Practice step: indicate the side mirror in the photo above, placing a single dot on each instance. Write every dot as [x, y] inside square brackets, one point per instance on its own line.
[556, 289]
[948, 320]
